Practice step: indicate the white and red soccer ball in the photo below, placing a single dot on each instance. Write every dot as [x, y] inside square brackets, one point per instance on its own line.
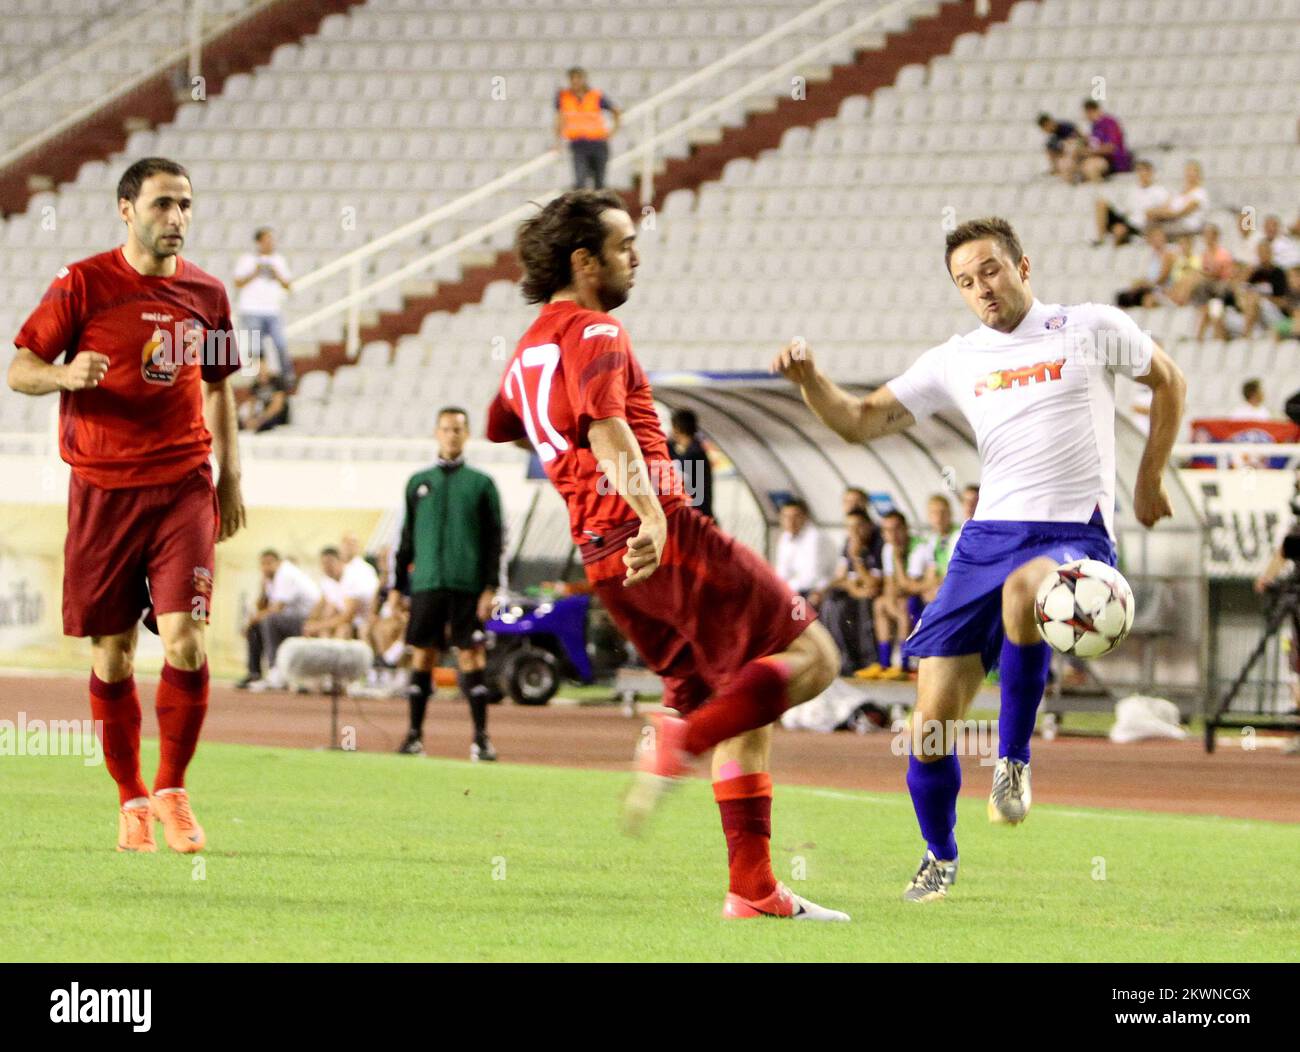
[1084, 608]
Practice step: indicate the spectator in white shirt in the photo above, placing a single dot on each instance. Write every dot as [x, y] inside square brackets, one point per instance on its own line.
[1252, 403]
[1188, 210]
[804, 559]
[288, 596]
[1285, 249]
[347, 601]
[262, 278]
[1140, 200]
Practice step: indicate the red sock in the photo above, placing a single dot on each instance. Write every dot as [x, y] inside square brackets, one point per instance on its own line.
[746, 806]
[755, 697]
[182, 703]
[116, 708]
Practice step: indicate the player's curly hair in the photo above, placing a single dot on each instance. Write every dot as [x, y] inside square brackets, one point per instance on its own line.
[545, 241]
[976, 229]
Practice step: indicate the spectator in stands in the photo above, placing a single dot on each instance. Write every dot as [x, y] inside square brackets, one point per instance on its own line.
[970, 498]
[288, 596]
[804, 558]
[691, 459]
[1264, 295]
[1189, 209]
[580, 124]
[1286, 250]
[1062, 140]
[1186, 274]
[1252, 405]
[846, 611]
[262, 278]
[1103, 154]
[937, 543]
[855, 499]
[890, 610]
[348, 590]
[267, 404]
[1137, 204]
[1217, 268]
[1146, 290]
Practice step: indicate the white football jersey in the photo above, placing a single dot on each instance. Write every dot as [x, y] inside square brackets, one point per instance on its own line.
[1041, 401]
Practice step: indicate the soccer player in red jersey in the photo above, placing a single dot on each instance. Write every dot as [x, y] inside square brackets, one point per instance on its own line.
[734, 646]
[147, 346]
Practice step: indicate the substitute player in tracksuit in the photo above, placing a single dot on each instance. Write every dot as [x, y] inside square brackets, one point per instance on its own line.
[449, 563]
[734, 646]
[1036, 383]
[147, 346]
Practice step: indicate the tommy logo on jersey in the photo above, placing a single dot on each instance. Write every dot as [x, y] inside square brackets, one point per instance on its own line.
[1001, 380]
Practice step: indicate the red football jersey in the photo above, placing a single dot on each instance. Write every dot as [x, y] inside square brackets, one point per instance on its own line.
[143, 425]
[574, 366]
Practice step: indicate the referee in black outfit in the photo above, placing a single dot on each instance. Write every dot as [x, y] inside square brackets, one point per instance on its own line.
[449, 563]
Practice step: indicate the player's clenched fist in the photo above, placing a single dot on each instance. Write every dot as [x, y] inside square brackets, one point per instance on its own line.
[644, 552]
[85, 370]
[795, 362]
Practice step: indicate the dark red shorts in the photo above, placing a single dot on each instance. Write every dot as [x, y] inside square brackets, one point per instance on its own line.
[128, 549]
[711, 607]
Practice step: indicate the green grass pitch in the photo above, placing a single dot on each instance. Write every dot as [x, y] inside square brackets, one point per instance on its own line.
[364, 857]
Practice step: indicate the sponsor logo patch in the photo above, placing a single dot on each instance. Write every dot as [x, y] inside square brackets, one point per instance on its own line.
[1040, 372]
[599, 329]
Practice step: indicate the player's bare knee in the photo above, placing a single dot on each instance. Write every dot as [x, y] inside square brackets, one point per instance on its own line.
[185, 652]
[824, 664]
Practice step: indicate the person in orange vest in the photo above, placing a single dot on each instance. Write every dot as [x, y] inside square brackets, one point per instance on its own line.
[580, 123]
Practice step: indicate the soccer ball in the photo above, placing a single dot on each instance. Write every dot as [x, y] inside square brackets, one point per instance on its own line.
[1084, 608]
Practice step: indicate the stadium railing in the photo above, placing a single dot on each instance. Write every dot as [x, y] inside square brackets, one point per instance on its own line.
[195, 26]
[642, 156]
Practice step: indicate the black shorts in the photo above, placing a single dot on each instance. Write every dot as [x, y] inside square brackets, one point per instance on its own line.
[441, 617]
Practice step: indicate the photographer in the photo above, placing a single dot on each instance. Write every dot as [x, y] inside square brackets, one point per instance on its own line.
[1280, 567]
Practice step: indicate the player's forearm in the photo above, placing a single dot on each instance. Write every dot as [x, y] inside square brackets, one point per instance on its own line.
[223, 421]
[1166, 418]
[834, 407]
[30, 375]
[619, 456]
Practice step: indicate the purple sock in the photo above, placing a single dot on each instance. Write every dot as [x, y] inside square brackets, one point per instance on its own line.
[884, 652]
[934, 788]
[1024, 678]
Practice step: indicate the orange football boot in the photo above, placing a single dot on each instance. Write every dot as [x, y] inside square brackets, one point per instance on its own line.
[135, 829]
[181, 831]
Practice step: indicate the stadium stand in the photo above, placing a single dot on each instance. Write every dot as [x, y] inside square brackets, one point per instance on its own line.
[854, 207]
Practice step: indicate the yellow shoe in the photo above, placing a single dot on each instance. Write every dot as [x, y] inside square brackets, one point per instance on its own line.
[181, 831]
[894, 674]
[872, 671]
[135, 830]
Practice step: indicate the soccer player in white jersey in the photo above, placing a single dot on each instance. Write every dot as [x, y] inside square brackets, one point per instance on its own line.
[1035, 381]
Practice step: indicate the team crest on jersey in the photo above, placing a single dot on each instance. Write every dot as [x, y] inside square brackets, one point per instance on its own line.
[1056, 321]
[1002, 379]
[166, 351]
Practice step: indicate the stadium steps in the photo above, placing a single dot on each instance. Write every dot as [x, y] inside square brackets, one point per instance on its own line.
[242, 48]
[925, 38]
